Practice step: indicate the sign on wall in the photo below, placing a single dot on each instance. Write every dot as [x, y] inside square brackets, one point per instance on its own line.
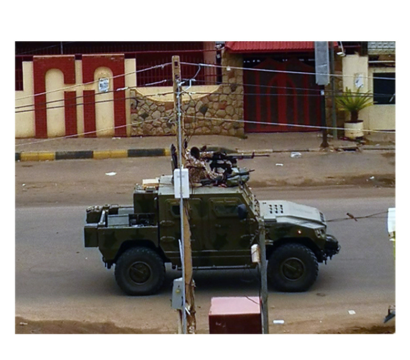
[103, 85]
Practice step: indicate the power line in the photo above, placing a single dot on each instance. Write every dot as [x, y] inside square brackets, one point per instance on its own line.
[195, 92]
[286, 125]
[95, 81]
[199, 67]
[275, 71]
[207, 118]
[74, 105]
[339, 92]
[83, 96]
[85, 133]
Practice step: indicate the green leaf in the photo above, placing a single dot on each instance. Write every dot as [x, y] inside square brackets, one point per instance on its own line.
[350, 101]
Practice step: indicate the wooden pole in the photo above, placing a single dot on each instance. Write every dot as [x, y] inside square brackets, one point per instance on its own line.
[264, 279]
[188, 313]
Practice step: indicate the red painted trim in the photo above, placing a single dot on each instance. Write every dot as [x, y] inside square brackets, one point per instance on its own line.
[116, 64]
[119, 114]
[89, 113]
[40, 116]
[70, 112]
[40, 67]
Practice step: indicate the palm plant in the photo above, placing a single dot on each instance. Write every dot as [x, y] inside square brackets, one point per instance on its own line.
[353, 102]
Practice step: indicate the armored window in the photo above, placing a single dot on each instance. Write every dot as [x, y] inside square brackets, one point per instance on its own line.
[225, 207]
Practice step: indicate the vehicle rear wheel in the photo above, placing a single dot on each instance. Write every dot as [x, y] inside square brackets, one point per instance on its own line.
[292, 268]
[140, 271]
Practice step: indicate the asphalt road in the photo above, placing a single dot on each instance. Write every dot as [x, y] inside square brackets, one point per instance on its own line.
[56, 278]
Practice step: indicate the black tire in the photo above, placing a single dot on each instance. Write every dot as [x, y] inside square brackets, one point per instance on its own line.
[292, 268]
[140, 271]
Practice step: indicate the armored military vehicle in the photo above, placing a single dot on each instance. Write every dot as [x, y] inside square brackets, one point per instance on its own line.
[139, 239]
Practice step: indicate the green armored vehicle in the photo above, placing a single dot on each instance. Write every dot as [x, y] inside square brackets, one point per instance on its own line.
[141, 238]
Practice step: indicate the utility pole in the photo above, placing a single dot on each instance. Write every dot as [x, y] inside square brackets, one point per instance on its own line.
[264, 278]
[187, 314]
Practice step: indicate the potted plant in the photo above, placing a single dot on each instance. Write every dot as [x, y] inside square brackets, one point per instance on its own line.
[353, 102]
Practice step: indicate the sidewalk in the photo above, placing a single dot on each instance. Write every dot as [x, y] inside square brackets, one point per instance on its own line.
[100, 148]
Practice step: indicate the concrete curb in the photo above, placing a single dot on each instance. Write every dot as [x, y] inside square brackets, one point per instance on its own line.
[130, 153]
[99, 154]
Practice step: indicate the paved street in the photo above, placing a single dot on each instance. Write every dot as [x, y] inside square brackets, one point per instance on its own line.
[58, 279]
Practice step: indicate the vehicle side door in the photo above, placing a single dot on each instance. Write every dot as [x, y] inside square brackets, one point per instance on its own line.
[170, 226]
[229, 238]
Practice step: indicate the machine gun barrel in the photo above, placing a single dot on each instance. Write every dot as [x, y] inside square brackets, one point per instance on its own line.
[246, 156]
[241, 173]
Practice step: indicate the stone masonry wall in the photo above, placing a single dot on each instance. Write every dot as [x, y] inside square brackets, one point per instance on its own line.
[216, 113]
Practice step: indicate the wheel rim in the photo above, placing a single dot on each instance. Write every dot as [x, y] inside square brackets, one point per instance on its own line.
[292, 269]
[139, 272]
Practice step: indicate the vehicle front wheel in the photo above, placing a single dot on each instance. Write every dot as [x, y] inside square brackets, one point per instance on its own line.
[140, 271]
[292, 268]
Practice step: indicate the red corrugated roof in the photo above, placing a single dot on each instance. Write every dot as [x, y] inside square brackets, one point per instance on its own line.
[269, 46]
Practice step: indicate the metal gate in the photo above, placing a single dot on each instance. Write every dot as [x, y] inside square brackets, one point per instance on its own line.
[285, 99]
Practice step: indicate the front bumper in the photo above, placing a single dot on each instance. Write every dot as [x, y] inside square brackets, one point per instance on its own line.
[332, 246]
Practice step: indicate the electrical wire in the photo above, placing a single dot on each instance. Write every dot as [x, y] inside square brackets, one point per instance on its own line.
[95, 81]
[317, 127]
[190, 94]
[84, 96]
[199, 68]
[288, 124]
[82, 134]
[277, 71]
[200, 93]
[77, 104]
[337, 93]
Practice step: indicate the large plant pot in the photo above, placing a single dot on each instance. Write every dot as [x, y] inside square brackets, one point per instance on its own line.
[354, 130]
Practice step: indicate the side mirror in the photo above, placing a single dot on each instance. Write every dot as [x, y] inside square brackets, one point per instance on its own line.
[242, 212]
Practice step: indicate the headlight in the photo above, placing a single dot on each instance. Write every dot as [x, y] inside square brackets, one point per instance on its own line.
[320, 233]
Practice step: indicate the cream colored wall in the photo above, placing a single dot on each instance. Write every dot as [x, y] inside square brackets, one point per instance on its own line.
[375, 117]
[24, 117]
[55, 103]
[55, 87]
[104, 104]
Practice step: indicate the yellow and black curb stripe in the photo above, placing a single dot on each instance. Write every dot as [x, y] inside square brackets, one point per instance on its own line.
[88, 154]
[98, 154]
